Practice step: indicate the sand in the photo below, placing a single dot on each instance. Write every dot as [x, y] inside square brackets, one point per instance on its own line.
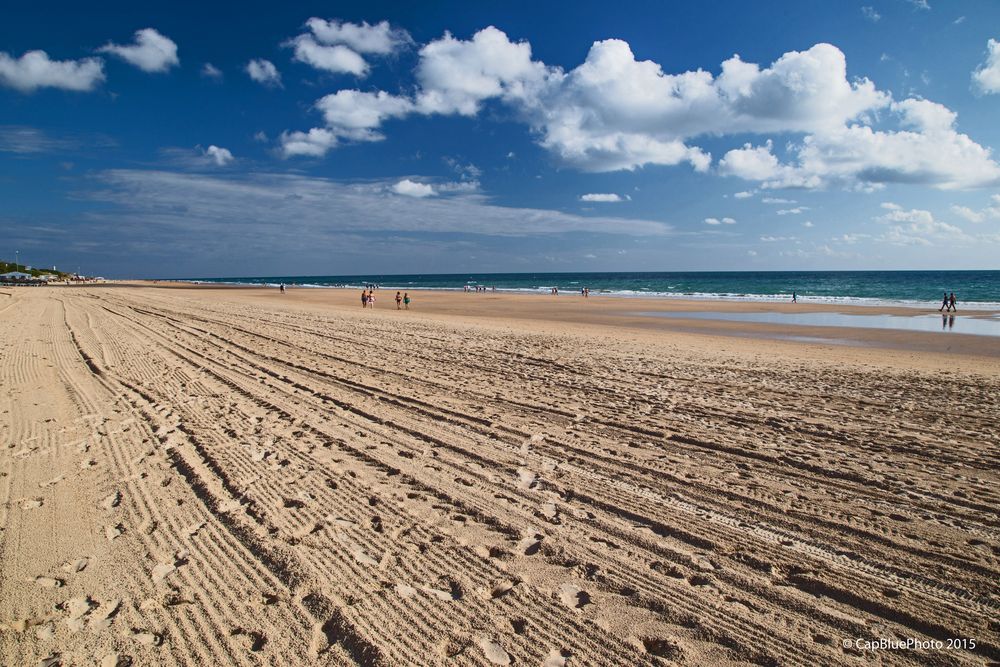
[232, 476]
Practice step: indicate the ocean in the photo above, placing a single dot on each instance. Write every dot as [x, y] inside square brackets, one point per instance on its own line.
[973, 289]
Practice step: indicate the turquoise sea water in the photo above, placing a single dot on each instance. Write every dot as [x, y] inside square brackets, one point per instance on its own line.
[973, 289]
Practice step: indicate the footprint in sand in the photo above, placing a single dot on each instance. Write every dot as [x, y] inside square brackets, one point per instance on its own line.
[33, 503]
[115, 660]
[494, 652]
[529, 545]
[362, 557]
[526, 479]
[404, 591]
[555, 659]
[100, 620]
[51, 660]
[147, 638]
[77, 608]
[499, 589]
[45, 632]
[48, 582]
[573, 596]
[112, 532]
[112, 501]
[165, 569]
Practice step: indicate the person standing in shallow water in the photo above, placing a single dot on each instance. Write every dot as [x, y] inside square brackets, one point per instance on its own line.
[951, 303]
[944, 302]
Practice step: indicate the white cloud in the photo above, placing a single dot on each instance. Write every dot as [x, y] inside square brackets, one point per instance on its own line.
[920, 4]
[915, 227]
[792, 211]
[151, 51]
[808, 224]
[456, 76]
[987, 76]
[778, 239]
[717, 221]
[336, 46]
[597, 197]
[967, 213]
[745, 194]
[413, 189]
[338, 58]
[220, 156]
[380, 39]
[317, 142]
[350, 115]
[35, 70]
[870, 14]
[264, 72]
[210, 71]
[928, 152]
[777, 200]
[990, 212]
[356, 114]
[614, 112]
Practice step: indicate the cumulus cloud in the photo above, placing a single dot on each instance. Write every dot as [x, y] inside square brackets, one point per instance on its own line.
[915, 226]
[990, 212]
[717, 221]
[413, 189]
[317, 142]
[35, 70]
[777, 200]
[745, 194]
[792, 211]
[338, 58]
[597, 197]
[350, 115]
[456, 76]
[336, 46]
[264, 72]
[380, 39]
[616, 112]
[220, 156]
[929, 151]
[987, 77]
[150, 52]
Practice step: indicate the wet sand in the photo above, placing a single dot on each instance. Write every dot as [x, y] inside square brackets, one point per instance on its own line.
[234, 476]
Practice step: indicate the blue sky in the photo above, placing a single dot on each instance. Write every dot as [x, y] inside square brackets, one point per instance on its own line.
[187, 139]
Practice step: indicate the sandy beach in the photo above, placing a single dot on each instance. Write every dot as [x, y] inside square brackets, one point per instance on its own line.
[205, 475]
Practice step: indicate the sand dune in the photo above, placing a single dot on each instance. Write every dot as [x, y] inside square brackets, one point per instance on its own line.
[195, 479]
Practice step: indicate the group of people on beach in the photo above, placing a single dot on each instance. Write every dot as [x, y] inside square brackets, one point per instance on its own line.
[368, 299]
[479, 288]
[948, 303]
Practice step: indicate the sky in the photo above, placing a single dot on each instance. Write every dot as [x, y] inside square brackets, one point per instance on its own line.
[200, 140]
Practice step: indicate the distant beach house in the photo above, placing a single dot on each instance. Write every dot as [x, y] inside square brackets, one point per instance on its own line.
[15, 275]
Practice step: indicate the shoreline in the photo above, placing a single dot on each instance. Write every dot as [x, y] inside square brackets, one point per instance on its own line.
[621, 313]
[987, 307]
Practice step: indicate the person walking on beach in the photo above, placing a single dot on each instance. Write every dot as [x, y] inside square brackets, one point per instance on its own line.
[364, 298]
[281, 288]
[795, 298]
[399, 300]
[371, 299]
[406, 300]
[951, 303]
[944, 302]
